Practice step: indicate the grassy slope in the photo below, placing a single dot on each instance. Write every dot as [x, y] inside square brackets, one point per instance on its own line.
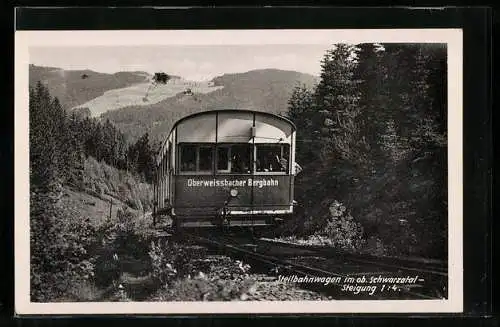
[142, 95]
[265, 90]
[105, 181]
[81, 205]
[73, 90]
[102, 186]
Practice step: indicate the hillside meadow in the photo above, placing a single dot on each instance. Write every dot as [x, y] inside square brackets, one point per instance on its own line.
[144, 95]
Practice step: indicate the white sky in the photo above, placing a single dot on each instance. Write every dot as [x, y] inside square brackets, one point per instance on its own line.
[202, 54]
[196, 62]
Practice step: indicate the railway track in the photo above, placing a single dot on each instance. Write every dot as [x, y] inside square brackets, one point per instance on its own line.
[434, 267]
[338, 275]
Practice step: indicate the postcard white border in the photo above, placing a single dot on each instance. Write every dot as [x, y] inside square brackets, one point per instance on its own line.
[26, 39]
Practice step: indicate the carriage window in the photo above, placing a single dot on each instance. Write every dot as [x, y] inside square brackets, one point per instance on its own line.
[272, 158]
[241, 159]
[205, 159]
[223, 159]
[188, 158]
[196, 158]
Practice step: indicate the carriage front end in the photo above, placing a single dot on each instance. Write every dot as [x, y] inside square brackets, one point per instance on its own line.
[228, 168]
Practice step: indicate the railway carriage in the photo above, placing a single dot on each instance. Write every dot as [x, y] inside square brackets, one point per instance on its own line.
[226, 168]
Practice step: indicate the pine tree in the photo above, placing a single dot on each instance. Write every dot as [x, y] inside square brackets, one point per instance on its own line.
[132, 158]
[77, 144]
[65, 150]
[145, 163]
[122, 151]
[337, 99]
[44, 160]
[45, 188]
[370, 75]
[97, 142]
[301, 110]
[412, 106]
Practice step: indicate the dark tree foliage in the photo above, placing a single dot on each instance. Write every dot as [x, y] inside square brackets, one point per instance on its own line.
[106, 143]
[301, 110]
[59, 143]
[376, 127]
[54, 160]
[371, 75]
[43, 140]
[141, 158]
[337, 99]
[161, 77]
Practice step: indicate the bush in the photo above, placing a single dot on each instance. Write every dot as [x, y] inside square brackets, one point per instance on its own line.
[162, 263]
[170, 260]
[225, 280]
[59, 255]
[341, 229]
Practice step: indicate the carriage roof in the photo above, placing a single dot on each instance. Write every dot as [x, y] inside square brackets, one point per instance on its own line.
[212, 112]
[232, 126]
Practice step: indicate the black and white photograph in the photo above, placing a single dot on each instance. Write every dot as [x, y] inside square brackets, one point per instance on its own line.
[238, 171]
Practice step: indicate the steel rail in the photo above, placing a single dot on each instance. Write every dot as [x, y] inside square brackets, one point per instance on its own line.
[401, 263]
[298, 269]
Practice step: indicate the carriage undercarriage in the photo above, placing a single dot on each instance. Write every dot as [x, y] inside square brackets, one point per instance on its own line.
[222, 220]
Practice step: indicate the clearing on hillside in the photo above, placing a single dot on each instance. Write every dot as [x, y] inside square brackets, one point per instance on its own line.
[145, 94]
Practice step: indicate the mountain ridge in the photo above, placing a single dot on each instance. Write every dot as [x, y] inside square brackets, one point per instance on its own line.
[266, 90]
[75, 87]
[261, 90]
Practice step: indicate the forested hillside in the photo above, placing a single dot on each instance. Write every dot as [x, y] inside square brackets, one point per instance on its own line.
[372, 141]
[77, 163]
[75, 87]
[263, 90]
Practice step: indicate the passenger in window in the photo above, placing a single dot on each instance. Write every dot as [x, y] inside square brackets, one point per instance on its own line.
[237, 164]
[269, 164]
[258, 165]
[283, 163]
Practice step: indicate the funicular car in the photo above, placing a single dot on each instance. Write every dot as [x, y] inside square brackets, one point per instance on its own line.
[227, 168]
